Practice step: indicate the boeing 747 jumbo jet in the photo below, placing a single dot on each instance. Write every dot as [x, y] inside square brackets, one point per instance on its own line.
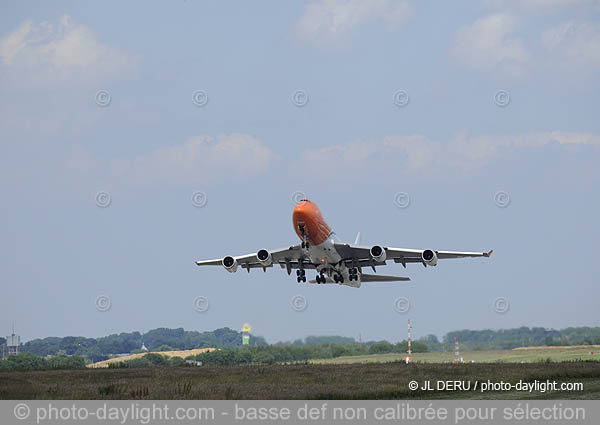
[333, 261]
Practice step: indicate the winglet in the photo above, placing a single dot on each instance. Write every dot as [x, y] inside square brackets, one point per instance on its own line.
[488, 254]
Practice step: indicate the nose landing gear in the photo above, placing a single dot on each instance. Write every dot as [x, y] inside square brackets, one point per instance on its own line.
[304, 236]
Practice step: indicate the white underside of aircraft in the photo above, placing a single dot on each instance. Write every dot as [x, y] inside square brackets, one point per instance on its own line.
[333, 261]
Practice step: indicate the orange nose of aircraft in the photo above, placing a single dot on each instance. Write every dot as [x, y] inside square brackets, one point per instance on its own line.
[309, 223]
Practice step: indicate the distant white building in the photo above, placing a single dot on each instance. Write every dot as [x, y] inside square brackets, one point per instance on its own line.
[143, 347]
[13, 343]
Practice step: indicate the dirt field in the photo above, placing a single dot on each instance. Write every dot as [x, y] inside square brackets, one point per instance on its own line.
[183, 354]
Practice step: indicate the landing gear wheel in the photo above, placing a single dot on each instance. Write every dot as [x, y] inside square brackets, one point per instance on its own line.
[301, 276]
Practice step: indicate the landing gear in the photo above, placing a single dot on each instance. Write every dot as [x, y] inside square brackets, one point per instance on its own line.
[321, 279]
[338, 278]
[353, 273]
[301, 276]
[304, 236]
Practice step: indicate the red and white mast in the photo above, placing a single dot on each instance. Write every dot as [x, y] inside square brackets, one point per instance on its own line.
[409, 358]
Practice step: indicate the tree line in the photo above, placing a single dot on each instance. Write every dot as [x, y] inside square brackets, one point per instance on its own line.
[28, 361]
[506, 339]
[278, 353]
[164, 339]
[161, 339]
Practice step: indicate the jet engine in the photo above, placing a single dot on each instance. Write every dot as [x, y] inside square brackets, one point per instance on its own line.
[230, 264]
[429, 257]
[378, 253]
[264, 257]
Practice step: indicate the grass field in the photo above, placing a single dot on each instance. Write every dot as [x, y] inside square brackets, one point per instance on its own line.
[296, 381]
[517, 355]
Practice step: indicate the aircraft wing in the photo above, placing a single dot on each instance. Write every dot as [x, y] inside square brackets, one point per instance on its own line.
[292, 257]
[361, 255]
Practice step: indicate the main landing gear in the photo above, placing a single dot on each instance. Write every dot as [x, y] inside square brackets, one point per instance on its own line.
[338, 278]
[321, 278]
[301, 276]
[353, 273]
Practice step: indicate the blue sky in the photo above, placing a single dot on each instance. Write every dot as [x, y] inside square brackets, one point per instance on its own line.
[502, 97]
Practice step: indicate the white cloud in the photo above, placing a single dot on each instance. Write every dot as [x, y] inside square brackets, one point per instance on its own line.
[490, 43]
[419, 154]
[333, 21]
[201, 159]
[65, 52]
[537, 6]
[577, 43]
[501, 42]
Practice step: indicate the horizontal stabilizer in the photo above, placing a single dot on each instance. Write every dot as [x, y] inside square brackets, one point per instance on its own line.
[382, 278]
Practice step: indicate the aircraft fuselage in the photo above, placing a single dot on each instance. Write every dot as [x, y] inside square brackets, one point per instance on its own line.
[319, 241]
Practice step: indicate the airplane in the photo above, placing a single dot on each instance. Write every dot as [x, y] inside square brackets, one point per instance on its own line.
[334, 261]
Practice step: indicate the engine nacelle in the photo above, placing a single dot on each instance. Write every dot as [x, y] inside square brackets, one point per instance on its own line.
[378, 253]
[264, 257]
[429, 257]
[230, 264]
